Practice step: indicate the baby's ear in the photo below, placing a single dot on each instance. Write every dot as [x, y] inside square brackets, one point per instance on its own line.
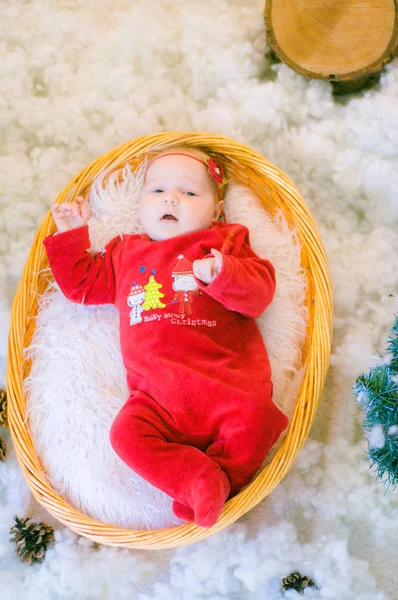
[217, 210]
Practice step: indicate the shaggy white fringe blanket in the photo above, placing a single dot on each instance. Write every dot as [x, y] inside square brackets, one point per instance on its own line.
[79, 78]
[77, 384]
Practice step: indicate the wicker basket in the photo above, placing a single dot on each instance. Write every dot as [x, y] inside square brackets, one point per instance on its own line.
[276, 192]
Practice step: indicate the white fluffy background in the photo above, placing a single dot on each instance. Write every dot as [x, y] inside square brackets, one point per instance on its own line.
[78, 78]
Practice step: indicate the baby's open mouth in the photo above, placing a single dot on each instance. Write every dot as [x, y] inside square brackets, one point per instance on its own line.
[169, 217]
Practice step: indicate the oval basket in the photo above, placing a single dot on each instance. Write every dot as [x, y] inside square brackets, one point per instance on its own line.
[277, 192]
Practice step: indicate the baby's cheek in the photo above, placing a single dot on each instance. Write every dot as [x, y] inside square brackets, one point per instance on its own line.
[145, 215]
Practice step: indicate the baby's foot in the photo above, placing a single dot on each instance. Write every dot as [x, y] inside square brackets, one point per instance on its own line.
[182, 511]
[208, 497]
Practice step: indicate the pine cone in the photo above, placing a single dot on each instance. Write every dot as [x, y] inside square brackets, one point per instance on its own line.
[3, 409]
[31, 540]
[3, 450]
[295, 581]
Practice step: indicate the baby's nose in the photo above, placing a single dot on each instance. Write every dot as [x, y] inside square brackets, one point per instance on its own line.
[172, 196]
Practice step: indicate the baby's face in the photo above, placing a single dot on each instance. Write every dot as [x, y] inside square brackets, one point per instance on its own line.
[178, 197]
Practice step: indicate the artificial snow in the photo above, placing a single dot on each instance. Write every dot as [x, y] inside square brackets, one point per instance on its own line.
[79, 78]
[376, 437]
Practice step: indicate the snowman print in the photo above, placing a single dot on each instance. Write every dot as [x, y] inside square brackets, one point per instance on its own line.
[135, 300]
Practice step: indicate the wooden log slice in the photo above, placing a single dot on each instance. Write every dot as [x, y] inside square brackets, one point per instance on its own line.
[336, 40]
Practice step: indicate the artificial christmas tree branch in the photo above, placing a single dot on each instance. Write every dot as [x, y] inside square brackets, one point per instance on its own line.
[377, 393]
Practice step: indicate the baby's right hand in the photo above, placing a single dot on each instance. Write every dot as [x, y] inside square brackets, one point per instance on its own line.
[71, 215]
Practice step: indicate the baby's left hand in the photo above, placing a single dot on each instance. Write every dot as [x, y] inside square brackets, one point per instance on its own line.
[207, 269]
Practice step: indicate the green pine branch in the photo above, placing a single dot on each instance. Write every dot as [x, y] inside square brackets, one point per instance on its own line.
[377, 393]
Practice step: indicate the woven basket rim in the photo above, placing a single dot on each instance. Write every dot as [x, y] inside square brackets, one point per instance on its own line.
[319, 333]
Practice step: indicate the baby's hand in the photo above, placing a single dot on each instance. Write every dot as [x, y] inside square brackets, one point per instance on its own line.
[71, 215]
[207, 269]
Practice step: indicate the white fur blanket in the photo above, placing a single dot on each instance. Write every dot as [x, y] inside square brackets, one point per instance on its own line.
[78, 384]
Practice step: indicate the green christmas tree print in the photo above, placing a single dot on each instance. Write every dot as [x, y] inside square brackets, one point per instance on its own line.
[153, 295]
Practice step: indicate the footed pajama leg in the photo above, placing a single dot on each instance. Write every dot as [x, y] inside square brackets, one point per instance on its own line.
[244, 441]
[143, 436]
[245, 437]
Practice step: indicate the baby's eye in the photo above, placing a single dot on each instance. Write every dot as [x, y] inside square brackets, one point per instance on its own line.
[158, 191]
[190, 193]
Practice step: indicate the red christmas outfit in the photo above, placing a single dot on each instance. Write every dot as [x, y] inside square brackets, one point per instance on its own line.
[200, 418]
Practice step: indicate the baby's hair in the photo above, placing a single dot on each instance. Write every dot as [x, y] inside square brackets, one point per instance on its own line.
[194, 151]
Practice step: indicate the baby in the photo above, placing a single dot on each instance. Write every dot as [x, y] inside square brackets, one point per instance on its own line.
[200, 418]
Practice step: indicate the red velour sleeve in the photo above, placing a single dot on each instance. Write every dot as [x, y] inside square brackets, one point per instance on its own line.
[83, 277]
[246, 283]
